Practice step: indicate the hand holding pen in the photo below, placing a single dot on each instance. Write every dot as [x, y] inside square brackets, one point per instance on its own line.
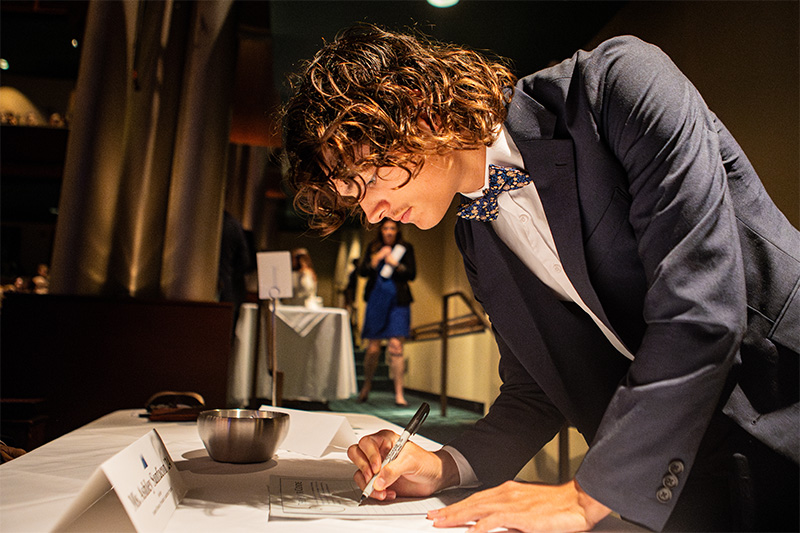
[372, 446]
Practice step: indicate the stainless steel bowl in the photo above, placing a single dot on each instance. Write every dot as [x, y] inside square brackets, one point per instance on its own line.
[242, 435]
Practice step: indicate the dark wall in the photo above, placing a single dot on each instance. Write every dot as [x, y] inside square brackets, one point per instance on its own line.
[90, 356]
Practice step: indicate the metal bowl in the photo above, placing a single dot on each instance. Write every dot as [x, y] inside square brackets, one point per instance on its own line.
[242, 435]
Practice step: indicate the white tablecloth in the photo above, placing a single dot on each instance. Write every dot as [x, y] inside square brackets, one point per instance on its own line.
[37, 488]
[314, 352]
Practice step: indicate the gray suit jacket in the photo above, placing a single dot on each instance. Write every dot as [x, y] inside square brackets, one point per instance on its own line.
[666, 232]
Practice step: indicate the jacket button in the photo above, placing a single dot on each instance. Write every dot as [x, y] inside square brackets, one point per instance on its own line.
[676, 467]
[670, 481]
[664, 495]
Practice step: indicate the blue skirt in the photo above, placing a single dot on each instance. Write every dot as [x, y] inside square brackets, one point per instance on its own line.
[383, 318]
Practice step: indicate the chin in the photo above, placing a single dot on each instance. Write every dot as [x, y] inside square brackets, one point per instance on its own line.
[427, 223]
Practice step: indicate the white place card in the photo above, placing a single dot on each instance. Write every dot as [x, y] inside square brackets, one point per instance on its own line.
[136, 490]
[274, 275]
[312, 433]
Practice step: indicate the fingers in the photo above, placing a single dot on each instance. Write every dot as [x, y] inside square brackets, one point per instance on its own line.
[517, 506]
[368, 455]
[468, 510]
[415, 471]
[488, 509]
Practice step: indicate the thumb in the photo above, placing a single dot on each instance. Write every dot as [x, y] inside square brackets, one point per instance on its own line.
[406, 463]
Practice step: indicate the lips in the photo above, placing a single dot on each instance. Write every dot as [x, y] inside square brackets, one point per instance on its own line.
[406, 216]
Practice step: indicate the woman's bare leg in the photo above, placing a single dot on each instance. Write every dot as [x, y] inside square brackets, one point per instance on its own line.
[395, 350]
[370, 365]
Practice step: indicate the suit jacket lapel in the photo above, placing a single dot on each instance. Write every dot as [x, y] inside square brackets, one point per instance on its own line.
[556, 342]
[509, 296]
[551, 164]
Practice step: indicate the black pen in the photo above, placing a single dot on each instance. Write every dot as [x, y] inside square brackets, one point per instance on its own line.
[412, 427]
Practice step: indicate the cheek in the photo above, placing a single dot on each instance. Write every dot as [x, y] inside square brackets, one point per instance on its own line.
[437, 199]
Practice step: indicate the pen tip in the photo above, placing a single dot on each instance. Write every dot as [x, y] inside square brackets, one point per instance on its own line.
[362, 499]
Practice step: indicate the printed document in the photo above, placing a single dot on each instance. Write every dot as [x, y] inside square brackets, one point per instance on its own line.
[296, 497]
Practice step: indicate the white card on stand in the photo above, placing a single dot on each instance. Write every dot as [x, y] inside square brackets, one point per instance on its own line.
[274, 275]
[312, 433]
[138, 489]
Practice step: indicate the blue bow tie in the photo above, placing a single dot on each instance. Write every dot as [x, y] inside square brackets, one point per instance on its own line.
[501, 179]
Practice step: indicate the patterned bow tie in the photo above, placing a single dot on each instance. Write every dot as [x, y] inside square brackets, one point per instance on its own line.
[501, 179]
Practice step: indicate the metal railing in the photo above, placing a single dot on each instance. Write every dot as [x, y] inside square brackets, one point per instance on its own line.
[472, 322]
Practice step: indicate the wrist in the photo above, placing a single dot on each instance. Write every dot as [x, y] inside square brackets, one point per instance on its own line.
[448, 476]
[594, 511]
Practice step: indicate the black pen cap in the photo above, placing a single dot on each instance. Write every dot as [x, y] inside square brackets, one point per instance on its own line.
[419, 418]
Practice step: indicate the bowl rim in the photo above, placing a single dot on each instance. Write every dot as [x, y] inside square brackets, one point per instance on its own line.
[262, 414]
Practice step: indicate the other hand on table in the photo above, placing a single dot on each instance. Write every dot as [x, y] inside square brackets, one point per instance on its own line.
[524, 507]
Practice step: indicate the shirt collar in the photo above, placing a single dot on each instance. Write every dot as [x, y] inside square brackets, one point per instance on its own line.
[503, 152]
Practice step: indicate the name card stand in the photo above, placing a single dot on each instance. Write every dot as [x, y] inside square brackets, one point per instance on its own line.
[274, 281]
[136, 490]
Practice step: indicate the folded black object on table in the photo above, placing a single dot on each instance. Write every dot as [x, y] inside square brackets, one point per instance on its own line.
[174, 406]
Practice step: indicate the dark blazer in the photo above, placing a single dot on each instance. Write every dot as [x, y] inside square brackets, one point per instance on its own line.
[666, 232]
[405, 271]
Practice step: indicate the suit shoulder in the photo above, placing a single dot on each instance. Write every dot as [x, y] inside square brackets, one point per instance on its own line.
[611, 58]
[621, 51]
[622, 44]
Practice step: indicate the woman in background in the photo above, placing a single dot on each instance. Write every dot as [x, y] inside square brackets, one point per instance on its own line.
[389, 264]
[304, 280]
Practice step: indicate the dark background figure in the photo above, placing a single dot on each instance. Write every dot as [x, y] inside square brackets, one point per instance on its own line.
[234, 263]
[350, 297]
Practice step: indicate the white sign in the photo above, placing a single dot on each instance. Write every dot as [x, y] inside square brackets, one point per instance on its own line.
[397, 254]
[147, 486]
[274, 275]
[329, 431]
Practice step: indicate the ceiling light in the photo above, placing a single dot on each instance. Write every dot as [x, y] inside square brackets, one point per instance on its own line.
[442, 3]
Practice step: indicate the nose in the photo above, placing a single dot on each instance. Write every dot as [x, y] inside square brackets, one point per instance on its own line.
[375, 210]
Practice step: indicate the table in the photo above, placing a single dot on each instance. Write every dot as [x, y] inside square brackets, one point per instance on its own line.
[315, 354]
[37, 488]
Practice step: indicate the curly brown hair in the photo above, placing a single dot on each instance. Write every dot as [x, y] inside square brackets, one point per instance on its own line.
[359, 104]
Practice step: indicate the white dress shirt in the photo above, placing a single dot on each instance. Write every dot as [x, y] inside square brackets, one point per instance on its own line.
[522, 225]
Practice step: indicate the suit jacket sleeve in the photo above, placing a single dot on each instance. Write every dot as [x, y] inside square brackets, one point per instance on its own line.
[664, 136]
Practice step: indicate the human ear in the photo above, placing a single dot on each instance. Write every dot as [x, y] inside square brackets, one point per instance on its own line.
[428, 124]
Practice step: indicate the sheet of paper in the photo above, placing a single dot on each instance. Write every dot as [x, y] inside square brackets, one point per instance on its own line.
[334, 525]
[328, 430]
[297, 497]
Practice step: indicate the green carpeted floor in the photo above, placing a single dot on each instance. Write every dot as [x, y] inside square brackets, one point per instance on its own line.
[437, 427]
